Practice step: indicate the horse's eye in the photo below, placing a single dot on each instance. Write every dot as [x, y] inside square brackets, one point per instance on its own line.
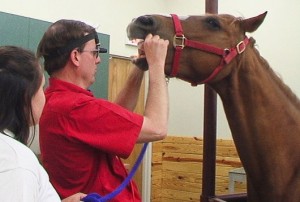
[213, 23]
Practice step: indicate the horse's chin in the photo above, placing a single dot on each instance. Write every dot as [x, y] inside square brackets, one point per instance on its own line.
[141, 63]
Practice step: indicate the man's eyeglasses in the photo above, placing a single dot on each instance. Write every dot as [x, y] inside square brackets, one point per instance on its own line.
[96, 51]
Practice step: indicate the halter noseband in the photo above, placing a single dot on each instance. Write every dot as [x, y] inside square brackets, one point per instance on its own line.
[180, 41]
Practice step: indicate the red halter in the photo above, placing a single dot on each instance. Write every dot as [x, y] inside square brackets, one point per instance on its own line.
[180, 41]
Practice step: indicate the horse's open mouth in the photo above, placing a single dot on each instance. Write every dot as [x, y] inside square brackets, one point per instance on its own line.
[138, 29]
[140, 45]
[137, 34]
[140, 60]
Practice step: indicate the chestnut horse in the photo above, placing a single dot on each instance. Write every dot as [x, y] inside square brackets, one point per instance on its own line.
[263, 113]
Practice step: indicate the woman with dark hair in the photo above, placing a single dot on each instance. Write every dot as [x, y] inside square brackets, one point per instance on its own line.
[22, 178]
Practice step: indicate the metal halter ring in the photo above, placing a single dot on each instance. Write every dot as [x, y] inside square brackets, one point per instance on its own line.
[181, 39]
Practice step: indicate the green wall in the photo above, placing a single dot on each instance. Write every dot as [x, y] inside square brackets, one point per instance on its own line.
[27, 32]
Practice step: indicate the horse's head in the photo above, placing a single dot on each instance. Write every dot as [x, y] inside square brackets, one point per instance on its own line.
[202, 43]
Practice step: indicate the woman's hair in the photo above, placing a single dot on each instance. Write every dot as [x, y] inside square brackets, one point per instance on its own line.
[20, 79]
[59, 40]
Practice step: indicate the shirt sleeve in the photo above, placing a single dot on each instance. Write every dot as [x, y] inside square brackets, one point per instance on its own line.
[105, 126]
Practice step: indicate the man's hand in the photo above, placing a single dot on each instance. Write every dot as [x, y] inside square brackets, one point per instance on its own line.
[155, 50]
[74, 198]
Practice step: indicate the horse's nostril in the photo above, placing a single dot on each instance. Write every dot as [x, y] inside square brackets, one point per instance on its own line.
[145, 20]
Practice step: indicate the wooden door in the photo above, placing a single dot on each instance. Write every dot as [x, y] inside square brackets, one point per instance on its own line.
[119, 69]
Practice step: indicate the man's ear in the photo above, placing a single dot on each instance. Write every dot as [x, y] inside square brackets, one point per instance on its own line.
[75, 57]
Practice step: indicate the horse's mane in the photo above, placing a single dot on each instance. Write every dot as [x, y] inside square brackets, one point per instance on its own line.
[276, 77]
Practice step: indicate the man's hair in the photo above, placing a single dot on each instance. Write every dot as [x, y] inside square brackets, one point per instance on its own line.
[20, 79]
[60, 39]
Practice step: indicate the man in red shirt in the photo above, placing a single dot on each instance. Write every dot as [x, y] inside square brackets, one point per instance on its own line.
[82, 137]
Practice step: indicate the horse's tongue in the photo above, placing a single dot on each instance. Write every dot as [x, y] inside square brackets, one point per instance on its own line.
[141, 51]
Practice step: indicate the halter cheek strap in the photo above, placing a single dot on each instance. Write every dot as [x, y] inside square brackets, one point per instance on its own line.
[180, 42]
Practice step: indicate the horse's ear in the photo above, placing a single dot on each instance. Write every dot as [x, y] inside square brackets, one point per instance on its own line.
[251, 24]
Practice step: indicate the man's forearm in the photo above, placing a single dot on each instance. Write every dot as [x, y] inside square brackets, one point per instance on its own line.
[129, 94]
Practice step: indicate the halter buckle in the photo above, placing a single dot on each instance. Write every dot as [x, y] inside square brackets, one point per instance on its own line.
[240, 47]
[181, 39]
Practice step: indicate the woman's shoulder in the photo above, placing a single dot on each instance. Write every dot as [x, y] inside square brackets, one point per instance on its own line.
[16, 154]
[21, 169]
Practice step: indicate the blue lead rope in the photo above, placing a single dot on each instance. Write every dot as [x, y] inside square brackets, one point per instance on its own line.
[94, 197]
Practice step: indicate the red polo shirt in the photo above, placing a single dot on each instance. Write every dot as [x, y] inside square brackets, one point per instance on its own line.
[81, 140]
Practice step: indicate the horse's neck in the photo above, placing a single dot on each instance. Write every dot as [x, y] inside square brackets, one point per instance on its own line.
[263, 115]
[256, 98]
